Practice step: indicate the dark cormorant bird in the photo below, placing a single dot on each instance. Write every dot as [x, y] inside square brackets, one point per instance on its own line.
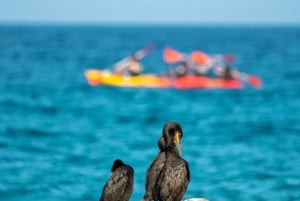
[175, 175]
[120, 184]
[154, 170]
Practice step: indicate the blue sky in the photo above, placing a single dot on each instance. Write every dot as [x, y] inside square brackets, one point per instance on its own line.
[151, 11]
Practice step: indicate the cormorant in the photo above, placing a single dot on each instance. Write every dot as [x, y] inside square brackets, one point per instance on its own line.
[120, 184]
[175, 176]
[154, 170]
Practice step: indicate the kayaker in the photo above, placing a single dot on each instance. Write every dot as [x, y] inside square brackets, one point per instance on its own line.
[226, 72]
[135, 67]
[182, 69]
[132, 66]
[201, 69]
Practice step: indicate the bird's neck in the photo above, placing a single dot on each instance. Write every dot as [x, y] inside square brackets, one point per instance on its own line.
[172, 151]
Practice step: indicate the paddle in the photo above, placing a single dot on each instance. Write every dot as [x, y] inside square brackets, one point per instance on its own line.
[120, 66]
[139, 54]
[228, 58]
[253, 80]
[199, 57]
[172, 56]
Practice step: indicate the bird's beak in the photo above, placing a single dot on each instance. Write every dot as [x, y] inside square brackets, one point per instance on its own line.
[178, 142]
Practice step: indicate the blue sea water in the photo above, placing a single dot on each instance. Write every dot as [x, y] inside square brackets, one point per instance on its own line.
[59, 136]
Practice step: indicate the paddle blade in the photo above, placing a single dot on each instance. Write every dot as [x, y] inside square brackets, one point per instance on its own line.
[92, 76]
[229, 57]
[143, 52]
[254, 81]
[199, 57]
[172, 56]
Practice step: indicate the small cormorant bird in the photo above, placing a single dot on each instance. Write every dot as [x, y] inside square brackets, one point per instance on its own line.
[154, 170]
[120, 184]
[175, 175]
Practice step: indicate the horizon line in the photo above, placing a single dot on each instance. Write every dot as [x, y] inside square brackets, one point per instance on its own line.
[119, 23]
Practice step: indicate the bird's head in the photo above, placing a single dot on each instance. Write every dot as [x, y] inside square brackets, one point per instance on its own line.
[117, 163]
[172, 133]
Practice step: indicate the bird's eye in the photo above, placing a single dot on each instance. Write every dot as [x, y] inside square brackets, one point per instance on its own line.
[172, 131]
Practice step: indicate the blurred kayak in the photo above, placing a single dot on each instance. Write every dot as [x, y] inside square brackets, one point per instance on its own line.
[104, 77]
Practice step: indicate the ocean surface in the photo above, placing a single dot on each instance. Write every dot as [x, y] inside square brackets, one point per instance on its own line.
[59, 136]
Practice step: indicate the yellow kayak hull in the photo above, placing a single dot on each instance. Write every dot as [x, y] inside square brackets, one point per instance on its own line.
[96, 77]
